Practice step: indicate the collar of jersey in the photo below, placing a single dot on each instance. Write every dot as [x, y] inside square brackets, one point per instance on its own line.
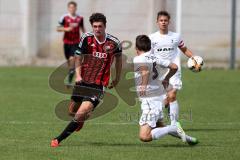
[73, 17]
[99, 41]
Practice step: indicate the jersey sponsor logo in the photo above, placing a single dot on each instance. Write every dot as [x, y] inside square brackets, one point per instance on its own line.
[165, 49]
[73, 25]
[100, 55]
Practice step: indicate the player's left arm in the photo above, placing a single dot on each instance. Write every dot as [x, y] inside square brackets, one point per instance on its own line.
[118, 70]
[186, 51]
[118, 65]
[183, 47]
[82, 27]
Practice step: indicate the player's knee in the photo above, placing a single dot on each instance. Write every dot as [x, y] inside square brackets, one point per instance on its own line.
[145, 137]
[81, 117]
[72, 114]
[172, 97]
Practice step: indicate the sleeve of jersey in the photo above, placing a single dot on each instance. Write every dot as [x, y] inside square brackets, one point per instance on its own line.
[140, 62]
[82, 48]
[163, 63]
[152, 44]
[118, 51]
[181, 43]
[61, 21]
[81, 24]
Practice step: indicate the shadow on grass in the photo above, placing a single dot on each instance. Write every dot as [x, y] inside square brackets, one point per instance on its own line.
[211, 129]
[140, 145]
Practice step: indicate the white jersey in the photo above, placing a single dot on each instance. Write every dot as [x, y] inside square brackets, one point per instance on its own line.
[166, 46]
[154, 87]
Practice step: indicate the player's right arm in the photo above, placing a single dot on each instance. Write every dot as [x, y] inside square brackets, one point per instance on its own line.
[78, 63]
[144, 71]
[64, 29]
[172, 70]
[142, 66]
[61, 27]
[79, 55]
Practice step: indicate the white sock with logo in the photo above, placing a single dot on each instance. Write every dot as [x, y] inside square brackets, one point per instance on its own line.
[174, 112]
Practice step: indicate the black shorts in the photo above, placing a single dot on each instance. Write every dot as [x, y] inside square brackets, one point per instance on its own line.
[69, 50]
[87, 92]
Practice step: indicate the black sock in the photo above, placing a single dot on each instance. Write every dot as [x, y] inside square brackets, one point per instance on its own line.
[71, 74]
[71, 127]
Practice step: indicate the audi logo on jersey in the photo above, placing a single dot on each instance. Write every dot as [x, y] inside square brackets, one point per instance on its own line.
[100, 55]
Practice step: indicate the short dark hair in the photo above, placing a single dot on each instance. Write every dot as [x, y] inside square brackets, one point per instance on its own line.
[72, 3]
[143, 43]
[98, 17]
[163, 13]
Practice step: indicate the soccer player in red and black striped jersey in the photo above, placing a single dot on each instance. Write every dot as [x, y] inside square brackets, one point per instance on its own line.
[71, 24]
[93, 60]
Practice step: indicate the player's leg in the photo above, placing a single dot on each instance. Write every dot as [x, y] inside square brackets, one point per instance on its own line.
[66, 53]
[173, 106]
[72, 110]
[147, 134]
[151, 114]
[69, 55]
[189, 139]
[82, 114]
[73, 48]
[73, 107]
[71, 71]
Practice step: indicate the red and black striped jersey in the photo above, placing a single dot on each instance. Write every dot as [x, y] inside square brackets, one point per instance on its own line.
[97, 57]
[72, 37]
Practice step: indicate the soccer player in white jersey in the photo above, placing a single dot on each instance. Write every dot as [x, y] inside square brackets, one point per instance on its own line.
[150, 92]
[165, 45]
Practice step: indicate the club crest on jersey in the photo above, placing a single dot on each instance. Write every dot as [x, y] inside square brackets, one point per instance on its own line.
[108, 47]
[100, 55]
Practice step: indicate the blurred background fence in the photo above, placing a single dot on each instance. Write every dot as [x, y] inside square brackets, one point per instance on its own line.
[28, 27]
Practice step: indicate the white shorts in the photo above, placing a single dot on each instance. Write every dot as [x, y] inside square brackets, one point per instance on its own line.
[152, 111]
[175, 81]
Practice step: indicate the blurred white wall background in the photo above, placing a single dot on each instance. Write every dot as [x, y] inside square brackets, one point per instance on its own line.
[28, 27]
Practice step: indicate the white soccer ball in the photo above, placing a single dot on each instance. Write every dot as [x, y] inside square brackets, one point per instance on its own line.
[195, 63]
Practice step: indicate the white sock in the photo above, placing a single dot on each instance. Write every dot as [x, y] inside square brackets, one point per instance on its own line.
[174, 111]
[158, 133]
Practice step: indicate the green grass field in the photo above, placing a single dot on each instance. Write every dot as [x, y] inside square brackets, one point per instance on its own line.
[209, 105]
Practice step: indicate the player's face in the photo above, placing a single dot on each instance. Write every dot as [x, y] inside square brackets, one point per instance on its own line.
[72, 9]
[163, 22]
[98, 29]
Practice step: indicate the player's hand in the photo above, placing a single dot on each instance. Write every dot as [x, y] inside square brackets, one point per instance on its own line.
[78, 79]
[142, 90]
[68, 29]
[165, 83]
[113, 84]
[196, 65]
